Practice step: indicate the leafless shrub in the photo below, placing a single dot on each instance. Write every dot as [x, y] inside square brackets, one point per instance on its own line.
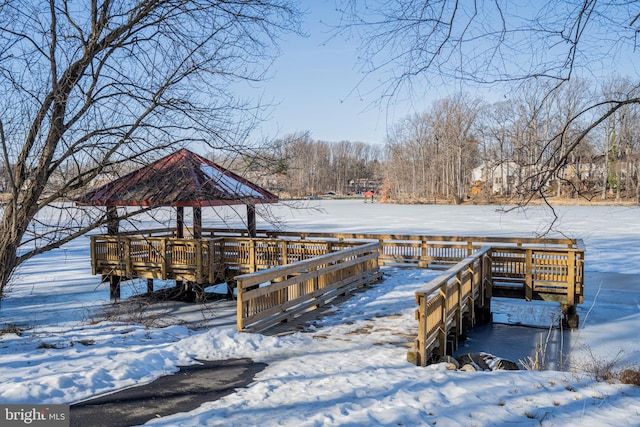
[12, 328]
[630, 376]
[47, 345]
[600, 368]
[132, 311]
[538, 360]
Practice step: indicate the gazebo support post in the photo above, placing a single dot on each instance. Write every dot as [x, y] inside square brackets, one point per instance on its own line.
[180, 222]
[113, 224]
[179, 232]
[197, 222]
[251, 220]
[197, 235]
[112, 230]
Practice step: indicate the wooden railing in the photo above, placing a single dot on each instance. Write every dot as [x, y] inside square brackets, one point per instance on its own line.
[200, 261]
[529, 268]
[450, 303]
[539, 273]
[550, 269]
[421, 250]
[269, 297]
[245, 255]
[155, 258]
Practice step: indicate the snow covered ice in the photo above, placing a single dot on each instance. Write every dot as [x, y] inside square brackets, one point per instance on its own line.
[350, 367]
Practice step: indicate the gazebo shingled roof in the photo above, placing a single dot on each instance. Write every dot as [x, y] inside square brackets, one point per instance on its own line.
[180, 179]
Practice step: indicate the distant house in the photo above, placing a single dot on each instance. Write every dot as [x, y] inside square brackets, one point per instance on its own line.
[360, 185]
[595, 169]
[499, 177]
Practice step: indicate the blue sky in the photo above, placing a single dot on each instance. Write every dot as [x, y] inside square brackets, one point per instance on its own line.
[313, 86]
[314, 80]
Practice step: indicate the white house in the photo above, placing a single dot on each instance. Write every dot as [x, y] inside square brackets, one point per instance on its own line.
[500, 177]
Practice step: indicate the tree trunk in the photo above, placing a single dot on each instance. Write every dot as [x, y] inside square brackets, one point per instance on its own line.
[8, 262]
[9, 243]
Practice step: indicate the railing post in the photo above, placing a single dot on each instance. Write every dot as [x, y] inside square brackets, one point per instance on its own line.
[252, 256]
[459, 308]
[486, 288]
[165, 256]
[442, 328]
[92, 249]
[239, 306]
[422, 263]
[419, 354]
[476, 286]
[528, 280]
[571, 277]
[284, 252]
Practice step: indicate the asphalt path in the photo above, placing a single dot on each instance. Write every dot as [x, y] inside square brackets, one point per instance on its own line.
[183, 391]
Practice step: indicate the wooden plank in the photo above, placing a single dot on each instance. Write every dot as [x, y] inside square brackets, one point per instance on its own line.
[304, 276]
[291, 269]
[304, 307]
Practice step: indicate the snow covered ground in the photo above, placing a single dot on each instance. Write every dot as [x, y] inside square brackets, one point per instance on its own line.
[349, 368]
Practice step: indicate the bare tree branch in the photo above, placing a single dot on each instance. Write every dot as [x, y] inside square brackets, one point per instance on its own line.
[88, 90]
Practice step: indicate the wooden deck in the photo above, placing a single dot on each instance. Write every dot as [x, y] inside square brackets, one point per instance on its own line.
[280, 274]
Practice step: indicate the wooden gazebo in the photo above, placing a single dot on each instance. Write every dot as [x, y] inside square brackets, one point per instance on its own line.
[182, 179]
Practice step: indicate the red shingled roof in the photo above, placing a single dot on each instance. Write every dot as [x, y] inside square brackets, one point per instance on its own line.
[179, 179]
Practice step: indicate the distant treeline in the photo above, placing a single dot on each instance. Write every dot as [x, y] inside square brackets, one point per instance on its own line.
[463, 148]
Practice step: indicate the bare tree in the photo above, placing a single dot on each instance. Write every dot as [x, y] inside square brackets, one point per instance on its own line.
[89, 86]
[496, 127]
[405, 169]
[500, 44]
[620, 137]
[431, 155]
[453, 123]
[308, 167]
